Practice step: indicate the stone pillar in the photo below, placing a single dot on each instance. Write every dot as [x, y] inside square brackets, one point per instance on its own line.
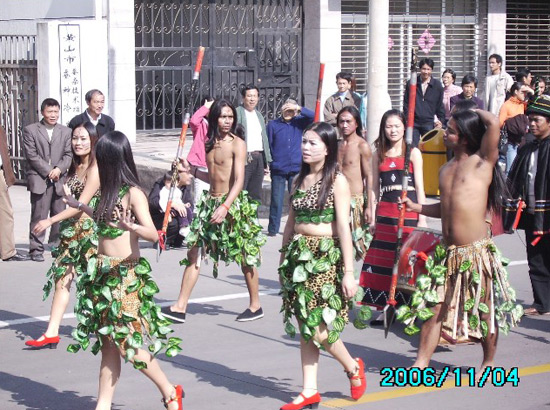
[496, 31]
[122, 73]
[67, 68]
[377, 88]
[322, 43]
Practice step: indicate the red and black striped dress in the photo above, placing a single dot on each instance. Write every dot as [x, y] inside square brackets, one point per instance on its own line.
[378, 264]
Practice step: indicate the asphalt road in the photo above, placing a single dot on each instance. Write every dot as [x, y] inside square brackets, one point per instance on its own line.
[251, 366]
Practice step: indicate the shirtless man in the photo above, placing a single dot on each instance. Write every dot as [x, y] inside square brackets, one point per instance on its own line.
[354, 157]
[225, 158]
[467, 188]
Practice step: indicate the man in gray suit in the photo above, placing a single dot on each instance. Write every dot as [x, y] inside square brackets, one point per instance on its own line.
[49, 155]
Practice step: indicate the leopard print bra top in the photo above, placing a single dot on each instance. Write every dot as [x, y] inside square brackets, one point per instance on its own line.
[306, 210]
[76, 185]
[104, 228]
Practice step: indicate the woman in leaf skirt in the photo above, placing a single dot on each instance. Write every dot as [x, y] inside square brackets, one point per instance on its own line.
[388, 168]
[316, 267]
[78, 239]
[115, 296]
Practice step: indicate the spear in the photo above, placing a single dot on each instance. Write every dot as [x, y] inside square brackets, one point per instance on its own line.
[185, 125]
[319, 91]
[389, 309]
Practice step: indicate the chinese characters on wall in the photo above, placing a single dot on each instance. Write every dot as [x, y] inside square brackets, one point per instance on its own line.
[69, 64]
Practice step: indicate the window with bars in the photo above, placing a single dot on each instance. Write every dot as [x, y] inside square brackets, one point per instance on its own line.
[528, 36]
[457, 27]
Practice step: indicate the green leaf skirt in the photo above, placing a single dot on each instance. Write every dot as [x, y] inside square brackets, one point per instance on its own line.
[359, 229]
[472, 282]
[77, 244]
[311, 276]
[115, 300]
[237, 239]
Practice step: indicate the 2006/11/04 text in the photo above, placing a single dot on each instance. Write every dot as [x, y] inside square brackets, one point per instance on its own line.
[429, 377]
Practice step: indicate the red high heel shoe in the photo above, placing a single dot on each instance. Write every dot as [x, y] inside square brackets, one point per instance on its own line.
[308, 403]
[178, 396]
[50, 342]
[358, 391]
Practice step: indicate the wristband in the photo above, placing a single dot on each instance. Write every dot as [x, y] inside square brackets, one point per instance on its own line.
[79, 206]
[225, 206]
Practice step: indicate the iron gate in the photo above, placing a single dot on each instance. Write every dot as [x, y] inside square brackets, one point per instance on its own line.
[247, 41]
[19, 96]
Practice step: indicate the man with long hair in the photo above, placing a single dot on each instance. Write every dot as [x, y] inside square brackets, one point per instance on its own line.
[467, 293]
[355, 159]
[227, 225]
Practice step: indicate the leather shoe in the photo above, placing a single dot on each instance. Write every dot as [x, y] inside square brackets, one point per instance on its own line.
[18, 257]
[37, 257]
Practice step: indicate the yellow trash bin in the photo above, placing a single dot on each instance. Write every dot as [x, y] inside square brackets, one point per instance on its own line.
[434, 155]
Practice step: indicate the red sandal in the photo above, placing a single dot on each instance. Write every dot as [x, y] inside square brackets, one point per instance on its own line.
[359, 374]
[307, 403]
[178, 396]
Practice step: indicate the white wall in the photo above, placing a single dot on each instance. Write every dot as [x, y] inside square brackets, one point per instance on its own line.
[94, 69]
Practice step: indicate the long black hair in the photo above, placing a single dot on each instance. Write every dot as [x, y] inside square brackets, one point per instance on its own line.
[382, 144]
[213, 129]
[328, 135]
[356, 116]
[471, 128]
[92, 132]
[116, 167]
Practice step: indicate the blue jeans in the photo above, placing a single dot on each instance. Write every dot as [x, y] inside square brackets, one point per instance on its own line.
[511, 152]
[277, 197]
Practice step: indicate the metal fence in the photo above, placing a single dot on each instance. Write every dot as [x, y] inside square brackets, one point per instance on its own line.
[19, 94]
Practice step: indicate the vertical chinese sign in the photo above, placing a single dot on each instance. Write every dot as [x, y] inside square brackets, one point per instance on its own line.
[69, 68]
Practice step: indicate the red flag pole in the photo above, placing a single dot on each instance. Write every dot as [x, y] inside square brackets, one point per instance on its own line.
[183, 134]
[319, 92]
[389, 309]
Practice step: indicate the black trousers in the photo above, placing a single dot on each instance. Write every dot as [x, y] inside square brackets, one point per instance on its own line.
[254, 175]
[538, 258]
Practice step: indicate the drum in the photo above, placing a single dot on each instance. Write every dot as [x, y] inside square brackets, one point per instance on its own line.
[415, 251]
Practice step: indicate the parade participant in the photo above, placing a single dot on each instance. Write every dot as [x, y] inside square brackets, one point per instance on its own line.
[355, 160]
[70, 260]
[470, 291]
[388, 168]
[115, 297]
[227, 228]
[318, 230]
[48, 156]
[197, 153]
[529, 179]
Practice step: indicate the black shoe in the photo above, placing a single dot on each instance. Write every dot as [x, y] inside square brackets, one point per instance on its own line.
[248, 315]
[175, 316]
[18, 257]
[271, 234]
[37, 257]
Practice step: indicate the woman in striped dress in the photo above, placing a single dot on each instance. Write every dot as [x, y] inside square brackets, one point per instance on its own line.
[388, 168]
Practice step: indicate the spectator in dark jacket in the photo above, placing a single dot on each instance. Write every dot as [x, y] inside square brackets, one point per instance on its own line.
[469, 87]
[103, 123]
[173, 237]
[285, 142]
[429, 101]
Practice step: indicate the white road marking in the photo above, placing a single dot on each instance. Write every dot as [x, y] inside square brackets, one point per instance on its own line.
[232, 296]
[14, 322]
